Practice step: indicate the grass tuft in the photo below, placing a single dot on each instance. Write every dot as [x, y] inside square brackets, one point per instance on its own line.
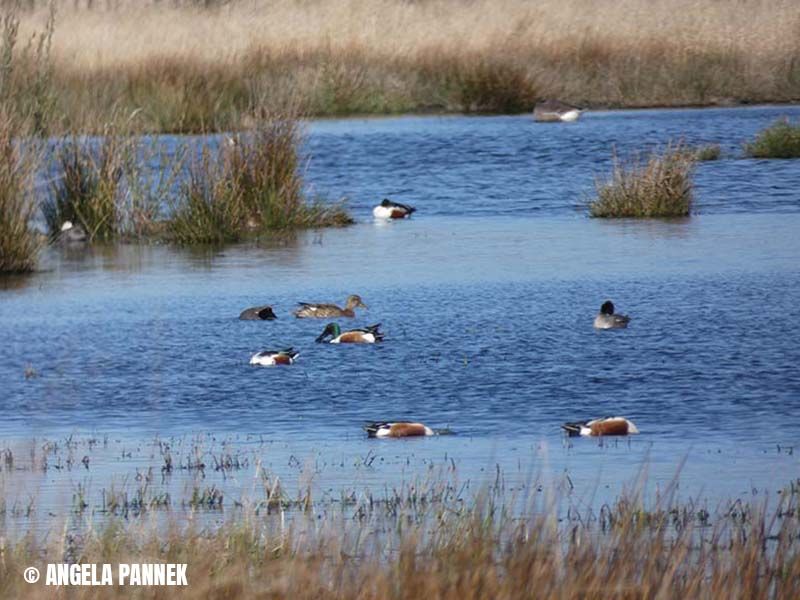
[88, 187]
[658, 186]
[249, 184]
[707, 153]
[19, 244]
[779, 140]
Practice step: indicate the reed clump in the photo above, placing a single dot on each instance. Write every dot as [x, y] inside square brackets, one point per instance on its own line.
[707, 153]
[87, 189]
[659, 185]
[779, 140]
[248, 185]
[19, 242]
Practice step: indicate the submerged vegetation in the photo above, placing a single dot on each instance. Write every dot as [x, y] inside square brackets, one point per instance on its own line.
[659, 185]
[199, 66]
[779, 140]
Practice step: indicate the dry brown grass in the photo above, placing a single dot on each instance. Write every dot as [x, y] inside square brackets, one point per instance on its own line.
[19, 242]
[417, 544]
[656, 185]
[189, 69]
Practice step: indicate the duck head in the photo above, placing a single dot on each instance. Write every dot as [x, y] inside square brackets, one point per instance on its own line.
[331, 330]
[386, 203]
[607, 308]
[267, 314]
[355, 301]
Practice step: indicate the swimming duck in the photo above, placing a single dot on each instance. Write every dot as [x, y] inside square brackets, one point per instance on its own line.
[395, 430]
[71, 233]
[325, 311]
[550, 111]
[606, 319]
[258, 313]
[368, 335]
[392, 210]
[604, 426]
[267, 358]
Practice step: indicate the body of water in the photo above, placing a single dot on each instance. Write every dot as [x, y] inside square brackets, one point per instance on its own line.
[487, 299]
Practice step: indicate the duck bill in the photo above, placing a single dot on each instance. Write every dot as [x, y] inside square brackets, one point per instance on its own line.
[321, 337]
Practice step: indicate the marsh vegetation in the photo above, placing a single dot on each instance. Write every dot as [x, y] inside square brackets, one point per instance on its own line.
[431, 536]
[655, 185]
[200, 66]
[779, 140]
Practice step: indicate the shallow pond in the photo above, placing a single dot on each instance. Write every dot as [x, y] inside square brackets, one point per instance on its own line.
[487, 298]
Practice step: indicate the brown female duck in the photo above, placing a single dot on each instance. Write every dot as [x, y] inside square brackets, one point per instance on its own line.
[325, 311]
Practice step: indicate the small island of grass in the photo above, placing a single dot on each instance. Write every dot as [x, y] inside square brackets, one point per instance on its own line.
[779, 140]
[659, 185]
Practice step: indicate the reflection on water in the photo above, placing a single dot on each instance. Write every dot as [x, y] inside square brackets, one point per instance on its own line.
[488, 320]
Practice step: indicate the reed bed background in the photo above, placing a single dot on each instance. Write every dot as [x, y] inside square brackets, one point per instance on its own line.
[199, 66]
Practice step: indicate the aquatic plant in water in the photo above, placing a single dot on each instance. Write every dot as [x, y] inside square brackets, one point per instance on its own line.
[659, 185]
[86, 190]
[19, 243]
[249, 184]
[779, 140]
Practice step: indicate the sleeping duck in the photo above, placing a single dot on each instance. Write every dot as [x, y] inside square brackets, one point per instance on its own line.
[396, 430]
[392, 210]
[607, 319]
[604, 426]
[326, 311]
[268, 358]
[550, 111]
[368, 335]
[71, 234]
[258, 313]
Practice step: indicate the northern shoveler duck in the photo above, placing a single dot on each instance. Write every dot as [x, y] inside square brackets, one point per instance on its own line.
[267, 358]
[368, 335]
[392, 210]
[71, 233]
[396, 430]
[604, 426]
[258, 313]
[606, 319]
[550, 111]
[326, 311]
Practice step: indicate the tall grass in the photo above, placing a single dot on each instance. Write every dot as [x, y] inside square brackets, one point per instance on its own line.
[247, 185]
[416, 546]
[659, 185]
[19, 243]
[87, 188]
[191, 69]
[779, 140]
[27, 91]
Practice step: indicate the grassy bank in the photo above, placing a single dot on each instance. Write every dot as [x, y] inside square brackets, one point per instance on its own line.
[188, 68]
[427, 542]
